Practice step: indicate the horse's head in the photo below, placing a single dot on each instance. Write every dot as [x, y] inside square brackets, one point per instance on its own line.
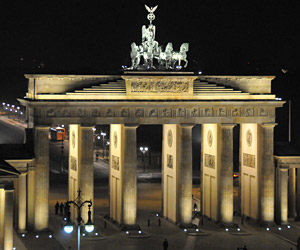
[134, 47]
[184, 47]
[169, 47]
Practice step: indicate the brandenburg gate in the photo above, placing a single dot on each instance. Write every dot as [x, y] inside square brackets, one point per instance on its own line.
[147, 95]
[177, 101]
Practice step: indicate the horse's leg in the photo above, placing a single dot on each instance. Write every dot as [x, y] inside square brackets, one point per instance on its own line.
[186, 63]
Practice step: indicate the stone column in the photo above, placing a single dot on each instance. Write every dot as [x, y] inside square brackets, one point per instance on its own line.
[292, 192]
[30, 195]
[22, 203]
[41, 215]
[8, 219]
[129, 176]
[2, 211]
[267, 173]
[86, 169]
[282, 195]
[185, 178]
[226, 173]
[298, 195]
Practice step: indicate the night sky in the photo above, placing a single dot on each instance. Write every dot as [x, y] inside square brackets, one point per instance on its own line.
[93, 37]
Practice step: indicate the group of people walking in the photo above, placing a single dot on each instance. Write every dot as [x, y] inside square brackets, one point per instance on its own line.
[61, 208]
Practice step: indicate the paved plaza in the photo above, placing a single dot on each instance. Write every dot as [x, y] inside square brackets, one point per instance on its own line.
[149, 203]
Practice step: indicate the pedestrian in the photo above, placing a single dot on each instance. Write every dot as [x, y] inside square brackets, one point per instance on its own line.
[245, 247]
[195, 207]
[56, 208]
[65, 209]
[61, 209]
[165, 244]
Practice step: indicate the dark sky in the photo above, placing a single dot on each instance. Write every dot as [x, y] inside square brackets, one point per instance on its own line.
[95, 36]
[226, 37]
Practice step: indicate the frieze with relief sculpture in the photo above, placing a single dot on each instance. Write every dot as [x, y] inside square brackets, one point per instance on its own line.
[160, 87]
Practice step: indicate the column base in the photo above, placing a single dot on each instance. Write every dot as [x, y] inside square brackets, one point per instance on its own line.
[135, 227]
[266, 224]
[22, 231]
[185, 225]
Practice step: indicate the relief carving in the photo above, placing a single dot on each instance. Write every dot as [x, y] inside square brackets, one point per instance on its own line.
[209, 138]
[170, 138]
[207, 112]
[209, 161]
[166, 113]
[139, 112]
[249, 137]
[115, 163]
[80, 112]
[170, 161]
[263, 112]
[235, 112]
[153, 112]
[248, 112]
[73, 139]
[160, 87]
[115, 138]
[66, 113]
[194, 112]
[95, 112]
[73, 163]
[222, 112]
[249, 160]
[125, 112]
[51, 112]
[180, 112]
[109, 113]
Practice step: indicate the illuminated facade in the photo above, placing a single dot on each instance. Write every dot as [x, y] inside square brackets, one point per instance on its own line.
[178, 102]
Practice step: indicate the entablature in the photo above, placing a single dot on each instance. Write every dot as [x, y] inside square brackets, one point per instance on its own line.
[151, 112]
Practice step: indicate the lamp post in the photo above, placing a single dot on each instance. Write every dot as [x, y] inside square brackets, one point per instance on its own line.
[107, 145]
[103, 146]
[144, 151]
[79, 203]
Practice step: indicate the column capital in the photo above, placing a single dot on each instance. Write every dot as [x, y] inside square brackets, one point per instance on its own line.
[186, 125]
[283, 168]
[39, 127]
[86, 127]
[268, 125]
[129, 125]
[227, 125]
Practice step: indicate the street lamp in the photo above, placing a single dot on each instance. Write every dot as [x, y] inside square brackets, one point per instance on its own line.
[107, 145]
[144, 151]
[79, 203]
[103, 134]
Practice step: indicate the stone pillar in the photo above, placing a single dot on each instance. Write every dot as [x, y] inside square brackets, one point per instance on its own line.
[298, 195]
[292, 192]
[267, 173]
[8, 219]
[226, 174]
[282, 195]
[86, 169]
[81, 167]
[2, 211]
[129, 176]
[41, 214]
[30, 195]
[185, 175]
[22, 203]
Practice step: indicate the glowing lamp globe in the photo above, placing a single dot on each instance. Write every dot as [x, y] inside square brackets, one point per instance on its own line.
[68, 228]
[89, 227]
